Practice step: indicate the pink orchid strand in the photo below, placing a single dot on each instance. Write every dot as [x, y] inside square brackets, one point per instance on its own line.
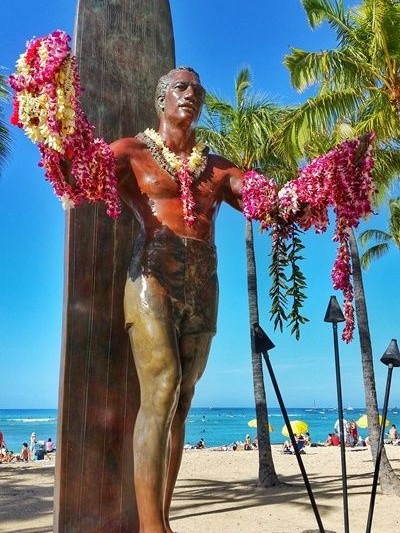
[92, 161]
[340, 179]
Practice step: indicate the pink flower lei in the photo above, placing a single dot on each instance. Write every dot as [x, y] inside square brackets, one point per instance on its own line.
[46, 106]
[341, 179]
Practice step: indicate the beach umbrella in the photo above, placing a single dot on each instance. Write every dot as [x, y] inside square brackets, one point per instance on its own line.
[253, 424]
[362, 422]
[298, 427]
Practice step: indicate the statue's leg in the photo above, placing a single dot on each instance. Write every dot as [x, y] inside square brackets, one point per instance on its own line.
[193, 350]
[155, 351]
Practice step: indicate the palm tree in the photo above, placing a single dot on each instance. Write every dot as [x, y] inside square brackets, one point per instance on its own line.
[382, 239]
[4, 133]
[358, 89]
[239, 133]
[359, 80]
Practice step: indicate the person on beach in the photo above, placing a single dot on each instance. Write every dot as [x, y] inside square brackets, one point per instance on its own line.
[201, 444]
[2, 441]
[352, 433]
[49, 445]
[24, 454]
[247, 443]
[174, 187]
[335, 439]
[393, 434]
[32, 444]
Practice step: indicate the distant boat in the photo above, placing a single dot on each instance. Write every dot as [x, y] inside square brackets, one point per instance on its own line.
[349, 408]
[312, 408]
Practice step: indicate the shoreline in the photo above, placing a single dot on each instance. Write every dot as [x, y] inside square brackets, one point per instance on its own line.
[217, 492]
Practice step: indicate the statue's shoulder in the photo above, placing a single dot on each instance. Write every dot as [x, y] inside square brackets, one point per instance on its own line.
[127, 146]
[219, 162]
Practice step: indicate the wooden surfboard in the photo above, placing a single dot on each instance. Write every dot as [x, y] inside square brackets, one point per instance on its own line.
[123, 47]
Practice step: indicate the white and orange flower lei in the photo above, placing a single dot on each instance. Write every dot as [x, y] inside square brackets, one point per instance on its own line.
[46, 107]
[184, 171]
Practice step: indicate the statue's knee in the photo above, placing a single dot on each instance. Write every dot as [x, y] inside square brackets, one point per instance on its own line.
[162, 391]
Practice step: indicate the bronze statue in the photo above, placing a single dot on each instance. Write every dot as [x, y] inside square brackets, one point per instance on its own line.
[172, 288]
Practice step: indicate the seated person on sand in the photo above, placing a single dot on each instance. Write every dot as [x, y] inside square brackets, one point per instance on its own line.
[23, 455]
[201, 444]
[49, 448]
[393, 434]
[360, 442]
[307, 439]
[5, 455]
[335, 439]
[247, 443]
[300, 443]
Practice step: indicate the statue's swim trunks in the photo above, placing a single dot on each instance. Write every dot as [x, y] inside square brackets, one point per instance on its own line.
[174, 279]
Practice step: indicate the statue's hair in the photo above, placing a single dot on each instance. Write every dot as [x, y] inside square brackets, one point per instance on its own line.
[164, 82]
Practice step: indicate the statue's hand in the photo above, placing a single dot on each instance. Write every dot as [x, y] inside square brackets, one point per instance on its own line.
[365, 141]
[66, 165]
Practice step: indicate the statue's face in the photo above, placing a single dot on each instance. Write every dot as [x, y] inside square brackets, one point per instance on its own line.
[184, 97]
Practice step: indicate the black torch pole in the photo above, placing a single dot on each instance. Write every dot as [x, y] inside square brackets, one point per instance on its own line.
[262, 343]
[334, 315]
[391, 358]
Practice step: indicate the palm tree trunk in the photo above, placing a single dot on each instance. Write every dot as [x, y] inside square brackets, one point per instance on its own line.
[266, 470]
[389, 481]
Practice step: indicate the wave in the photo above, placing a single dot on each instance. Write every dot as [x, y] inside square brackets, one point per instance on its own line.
[29, 420]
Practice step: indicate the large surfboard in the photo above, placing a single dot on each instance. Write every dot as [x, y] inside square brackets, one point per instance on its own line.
[123, 47]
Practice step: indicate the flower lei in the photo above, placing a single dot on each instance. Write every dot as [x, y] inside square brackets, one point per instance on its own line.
[336, 179]
[183, 171]
[46, 107]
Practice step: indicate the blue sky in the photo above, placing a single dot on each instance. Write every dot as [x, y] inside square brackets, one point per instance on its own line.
[217, 39]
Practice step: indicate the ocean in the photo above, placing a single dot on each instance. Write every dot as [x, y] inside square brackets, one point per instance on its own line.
[217, 426]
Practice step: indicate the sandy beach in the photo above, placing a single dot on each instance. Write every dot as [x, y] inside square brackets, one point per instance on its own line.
[217, 492]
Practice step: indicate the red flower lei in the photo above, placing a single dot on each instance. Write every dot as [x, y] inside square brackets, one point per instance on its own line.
[46, 105]
[335, 180]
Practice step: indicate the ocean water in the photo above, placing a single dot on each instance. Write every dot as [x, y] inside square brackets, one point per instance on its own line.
[217, 426]
[18, 424]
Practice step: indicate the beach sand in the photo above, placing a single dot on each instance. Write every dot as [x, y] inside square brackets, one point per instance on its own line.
[217, 493]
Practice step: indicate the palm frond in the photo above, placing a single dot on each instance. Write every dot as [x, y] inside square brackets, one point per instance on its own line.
[373, 253]
[333, 13]
[377, 235]
[394, 220]
[242, 83]
[316, 116]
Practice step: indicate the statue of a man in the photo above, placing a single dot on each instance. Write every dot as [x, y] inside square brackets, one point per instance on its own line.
[175, 188]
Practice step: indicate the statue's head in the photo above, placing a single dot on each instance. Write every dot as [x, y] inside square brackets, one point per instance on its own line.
[165, 81]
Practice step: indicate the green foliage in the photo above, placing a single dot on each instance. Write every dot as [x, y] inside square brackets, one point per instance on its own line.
[297, 281]
[277, 272]
[285, 256]
[358, 80]
[381, 239]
